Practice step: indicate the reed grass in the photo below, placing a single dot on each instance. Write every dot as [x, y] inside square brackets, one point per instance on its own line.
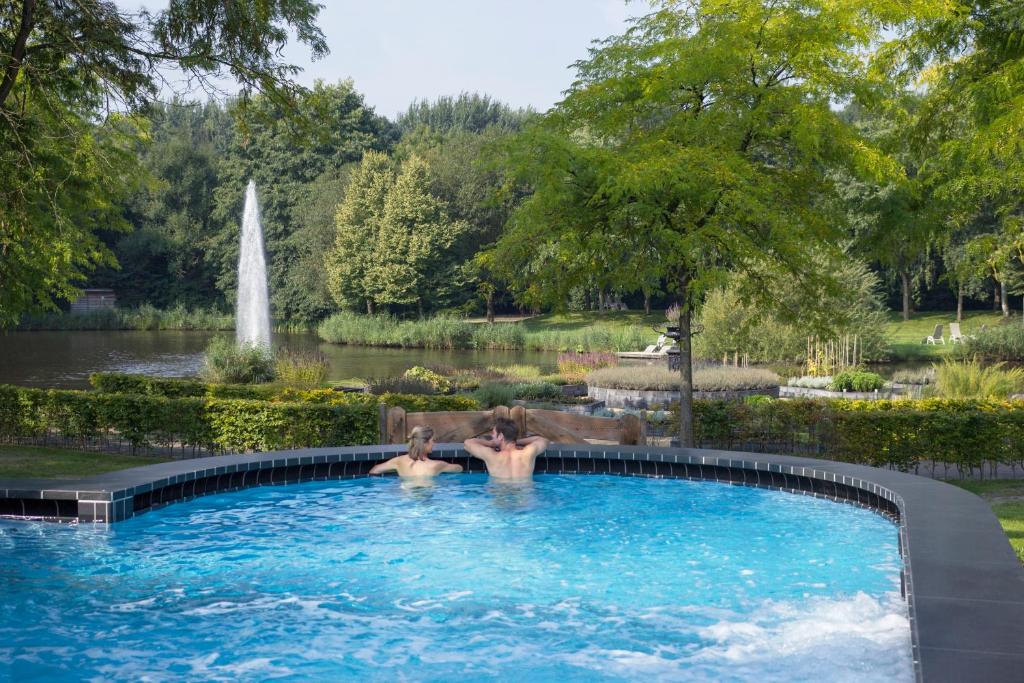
[144, 317]
[229, 363]
[301, 370]
[968, 379]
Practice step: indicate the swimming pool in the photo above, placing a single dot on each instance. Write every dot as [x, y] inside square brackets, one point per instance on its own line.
[569, 578]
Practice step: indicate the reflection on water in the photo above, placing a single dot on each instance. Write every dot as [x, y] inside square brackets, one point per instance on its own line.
[66, 359]
[512, 495]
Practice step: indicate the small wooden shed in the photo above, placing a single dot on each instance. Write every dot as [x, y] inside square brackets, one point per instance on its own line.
[94, 300]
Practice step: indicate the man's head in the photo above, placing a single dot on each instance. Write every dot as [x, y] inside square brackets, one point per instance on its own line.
[505, 431]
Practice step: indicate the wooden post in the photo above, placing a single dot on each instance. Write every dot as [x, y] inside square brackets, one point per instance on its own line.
[500, 412]
[382, 422]
[633, 431]
[518, 415]
[396, 425]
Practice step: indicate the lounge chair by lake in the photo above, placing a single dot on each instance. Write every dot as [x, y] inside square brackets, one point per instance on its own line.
[935, 337]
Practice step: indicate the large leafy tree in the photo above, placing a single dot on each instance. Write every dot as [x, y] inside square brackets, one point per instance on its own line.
[699, 138]
[414, 244]
[971, 125]
[358, 223]
[69, 71]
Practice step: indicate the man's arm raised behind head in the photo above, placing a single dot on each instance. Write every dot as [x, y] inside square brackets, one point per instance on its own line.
[479, 448]
[534, 445]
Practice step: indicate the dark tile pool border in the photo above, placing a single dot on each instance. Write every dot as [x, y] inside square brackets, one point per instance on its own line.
[963, 584]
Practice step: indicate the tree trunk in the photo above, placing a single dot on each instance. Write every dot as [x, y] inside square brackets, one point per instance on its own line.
[960, 303]
[371, 307]
[14, 62]
[647, 303]
[1003, 300]
[685, 366]
[995, 298]
[600, 299]
[490, 307]
[586, 299]
[905, 280]
[419, 306]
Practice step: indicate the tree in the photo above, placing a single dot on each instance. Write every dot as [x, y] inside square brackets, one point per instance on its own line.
[68, 71]
[970, 124]
[702, 134]
[414, 243]
[472, 113]
[358, 226]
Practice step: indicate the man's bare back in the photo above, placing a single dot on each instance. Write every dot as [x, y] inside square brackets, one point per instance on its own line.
[507, 458]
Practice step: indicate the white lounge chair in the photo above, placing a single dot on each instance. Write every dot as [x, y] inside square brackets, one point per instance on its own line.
[955, 334]
[656, 347]
[935, 337]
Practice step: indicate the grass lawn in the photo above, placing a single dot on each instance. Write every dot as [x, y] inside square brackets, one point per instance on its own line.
[25, 462]
[585, 320]
[1006, 497]
[907, 336]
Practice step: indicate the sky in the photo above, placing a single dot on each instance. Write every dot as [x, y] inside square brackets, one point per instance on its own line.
[397, 51]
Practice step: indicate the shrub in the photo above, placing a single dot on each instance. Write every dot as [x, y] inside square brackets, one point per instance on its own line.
[658, 378]
[230, 363]
[971, 380]
[436, 380]
[590, 339]
[856, 380]
[575, 366]
[1002, 342]
[810, 382]
[536, 391]
[301, 369]
[400, 385]
[491, 394]
[420, 403]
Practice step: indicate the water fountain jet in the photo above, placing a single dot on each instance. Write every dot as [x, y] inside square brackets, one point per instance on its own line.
[252, 313]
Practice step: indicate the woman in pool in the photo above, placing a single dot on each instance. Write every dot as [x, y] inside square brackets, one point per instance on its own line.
[417, 463]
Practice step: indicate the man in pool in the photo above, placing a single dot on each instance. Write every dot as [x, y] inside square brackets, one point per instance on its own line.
[505, 454]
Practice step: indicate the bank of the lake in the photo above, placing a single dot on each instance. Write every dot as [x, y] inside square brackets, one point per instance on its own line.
[66, 359]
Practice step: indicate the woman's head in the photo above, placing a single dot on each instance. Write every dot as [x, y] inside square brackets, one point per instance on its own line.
[421, 442]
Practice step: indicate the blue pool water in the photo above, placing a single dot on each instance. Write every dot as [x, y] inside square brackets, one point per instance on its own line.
[565, 578]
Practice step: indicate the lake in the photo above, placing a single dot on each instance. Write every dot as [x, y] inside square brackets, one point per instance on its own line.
[66, 359]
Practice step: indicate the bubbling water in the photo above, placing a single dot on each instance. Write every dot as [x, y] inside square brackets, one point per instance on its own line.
[252, 316]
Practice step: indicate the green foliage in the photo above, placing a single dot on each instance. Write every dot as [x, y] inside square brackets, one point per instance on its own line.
[440, 383]
[609, 339]
[969, 380]
[303, 370]
[217, 424]
[145, 317]
[733, 321]
[414, 403]
[466, 113]
[491, 394]
[536, 391]
[897, 434]
[227, 362]
[69, 162]
[385, 330]
[400, 385]
[856, 380]
[499, 336]
[1002, 342]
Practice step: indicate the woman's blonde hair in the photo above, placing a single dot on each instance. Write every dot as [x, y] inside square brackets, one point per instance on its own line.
[418, 442]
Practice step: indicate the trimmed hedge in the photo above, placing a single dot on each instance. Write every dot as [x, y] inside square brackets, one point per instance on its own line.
[205, 423]
[115, 383]
[899, 434]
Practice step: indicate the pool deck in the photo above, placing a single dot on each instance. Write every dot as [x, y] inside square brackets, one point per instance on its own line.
[963, 583]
